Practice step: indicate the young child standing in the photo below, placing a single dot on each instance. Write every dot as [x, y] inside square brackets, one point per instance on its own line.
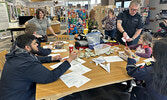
[143, 48]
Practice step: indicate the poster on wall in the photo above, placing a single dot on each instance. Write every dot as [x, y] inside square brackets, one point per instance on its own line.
[4, 20]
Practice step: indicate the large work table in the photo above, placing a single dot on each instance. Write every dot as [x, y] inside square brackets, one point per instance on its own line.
[99, 77]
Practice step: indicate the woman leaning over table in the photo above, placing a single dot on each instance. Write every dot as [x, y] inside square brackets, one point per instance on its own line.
[41, 23]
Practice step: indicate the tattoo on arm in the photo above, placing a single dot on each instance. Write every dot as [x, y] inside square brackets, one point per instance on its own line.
[119, 21]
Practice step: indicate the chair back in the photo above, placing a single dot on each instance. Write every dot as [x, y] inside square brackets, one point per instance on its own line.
[2, 59]
[62, 37]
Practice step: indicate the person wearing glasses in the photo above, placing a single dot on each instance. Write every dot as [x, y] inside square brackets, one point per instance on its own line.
[129, 24]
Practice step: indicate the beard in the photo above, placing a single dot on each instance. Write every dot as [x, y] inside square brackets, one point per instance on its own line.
[33, 51]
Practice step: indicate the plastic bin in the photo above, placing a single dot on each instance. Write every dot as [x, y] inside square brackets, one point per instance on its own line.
[101, 48]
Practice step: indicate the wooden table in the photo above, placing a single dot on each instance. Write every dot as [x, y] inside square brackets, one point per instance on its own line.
[99, 77]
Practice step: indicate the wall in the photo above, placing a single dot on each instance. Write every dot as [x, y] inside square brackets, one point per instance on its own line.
[155, 4]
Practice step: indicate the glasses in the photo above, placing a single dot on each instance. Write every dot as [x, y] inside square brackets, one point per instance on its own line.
[134, 9]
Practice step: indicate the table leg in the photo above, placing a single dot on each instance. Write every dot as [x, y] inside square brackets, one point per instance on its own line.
[12, 36]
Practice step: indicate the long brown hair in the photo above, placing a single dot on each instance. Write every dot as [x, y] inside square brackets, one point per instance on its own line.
[92, 14]
[38, 12]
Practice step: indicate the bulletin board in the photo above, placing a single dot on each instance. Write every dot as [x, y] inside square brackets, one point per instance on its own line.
[4, 20]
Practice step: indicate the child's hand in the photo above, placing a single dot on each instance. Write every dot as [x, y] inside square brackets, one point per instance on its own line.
[128, 51]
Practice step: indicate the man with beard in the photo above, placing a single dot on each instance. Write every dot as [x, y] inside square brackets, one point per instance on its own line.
[23, 70]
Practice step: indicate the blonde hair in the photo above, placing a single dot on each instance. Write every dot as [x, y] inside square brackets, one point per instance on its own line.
[147, 37]
[30, 29]
[92, 14]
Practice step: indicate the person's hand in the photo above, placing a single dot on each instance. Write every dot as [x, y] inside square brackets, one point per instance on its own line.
[127, 51]
[73, 55]
[130, 39]
[125, 35]
[58, 57]
[94, 26]
[37, 36]
[55, 35]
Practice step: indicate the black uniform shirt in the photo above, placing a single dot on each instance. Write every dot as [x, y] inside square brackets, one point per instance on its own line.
[130, 23]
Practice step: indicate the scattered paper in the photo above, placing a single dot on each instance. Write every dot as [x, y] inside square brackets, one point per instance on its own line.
[55, 65]
[113, 59]
[80, 69]
[65, 42]
[149, 59]
[53, 54]
[47, 46]
[106, 67]
[60, 50]
[99, 60]
[74, 79]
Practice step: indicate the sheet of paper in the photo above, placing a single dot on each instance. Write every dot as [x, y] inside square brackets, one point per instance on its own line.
[80, 60]
[106, 67]
[53, 54]
[47, 46]
[112, 59]
[59, 50]
[149, 59]
[99, 60]
[65, 42]
[74, 79]
[80, 69]
[55, 65]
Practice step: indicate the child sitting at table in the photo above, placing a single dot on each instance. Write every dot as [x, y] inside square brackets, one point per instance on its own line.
[153, 73]
[31, 29]
[143, 48]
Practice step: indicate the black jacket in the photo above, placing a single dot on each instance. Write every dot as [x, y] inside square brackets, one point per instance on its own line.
[21, 73]
[143, 73]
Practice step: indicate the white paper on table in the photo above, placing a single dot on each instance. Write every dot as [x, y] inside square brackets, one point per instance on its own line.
[106, 67]
[113, 59]
[51, 43]
[99, 60]
[149, 59]
[65, 42]
[74, 79]
[47, 46]
[80, 69]
[53, 54]
[59, 50]
[80, 60]
[65, 58]
[55, 65]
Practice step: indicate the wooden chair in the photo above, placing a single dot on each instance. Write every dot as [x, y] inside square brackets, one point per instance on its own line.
[2, 59]
[62, 37]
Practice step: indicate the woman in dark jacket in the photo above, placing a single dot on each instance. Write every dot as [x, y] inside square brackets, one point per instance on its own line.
[153, 73]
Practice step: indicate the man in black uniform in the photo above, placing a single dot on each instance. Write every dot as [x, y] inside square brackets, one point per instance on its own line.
[129, 23]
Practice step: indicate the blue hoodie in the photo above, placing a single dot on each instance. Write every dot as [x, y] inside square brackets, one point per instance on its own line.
[22, 71]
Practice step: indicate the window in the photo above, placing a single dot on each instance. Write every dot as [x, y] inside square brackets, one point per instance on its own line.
[118, 4]
[126, 4]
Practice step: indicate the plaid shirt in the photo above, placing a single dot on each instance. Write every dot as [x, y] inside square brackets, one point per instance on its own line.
[110, 23]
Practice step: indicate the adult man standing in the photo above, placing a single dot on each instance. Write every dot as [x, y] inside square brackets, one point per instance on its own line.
[129, 23]
[23, 70]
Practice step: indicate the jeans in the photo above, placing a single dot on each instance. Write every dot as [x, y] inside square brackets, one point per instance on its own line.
[110, 33]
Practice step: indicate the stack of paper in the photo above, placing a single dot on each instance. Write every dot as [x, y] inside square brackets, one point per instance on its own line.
[55, 65]
[74, 79]
[80, 69]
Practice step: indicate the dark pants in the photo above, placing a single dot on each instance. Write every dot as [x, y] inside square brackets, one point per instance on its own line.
[110, 33]
[138, 93]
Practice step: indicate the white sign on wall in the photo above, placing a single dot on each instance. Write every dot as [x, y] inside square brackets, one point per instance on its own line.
[4, 20]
